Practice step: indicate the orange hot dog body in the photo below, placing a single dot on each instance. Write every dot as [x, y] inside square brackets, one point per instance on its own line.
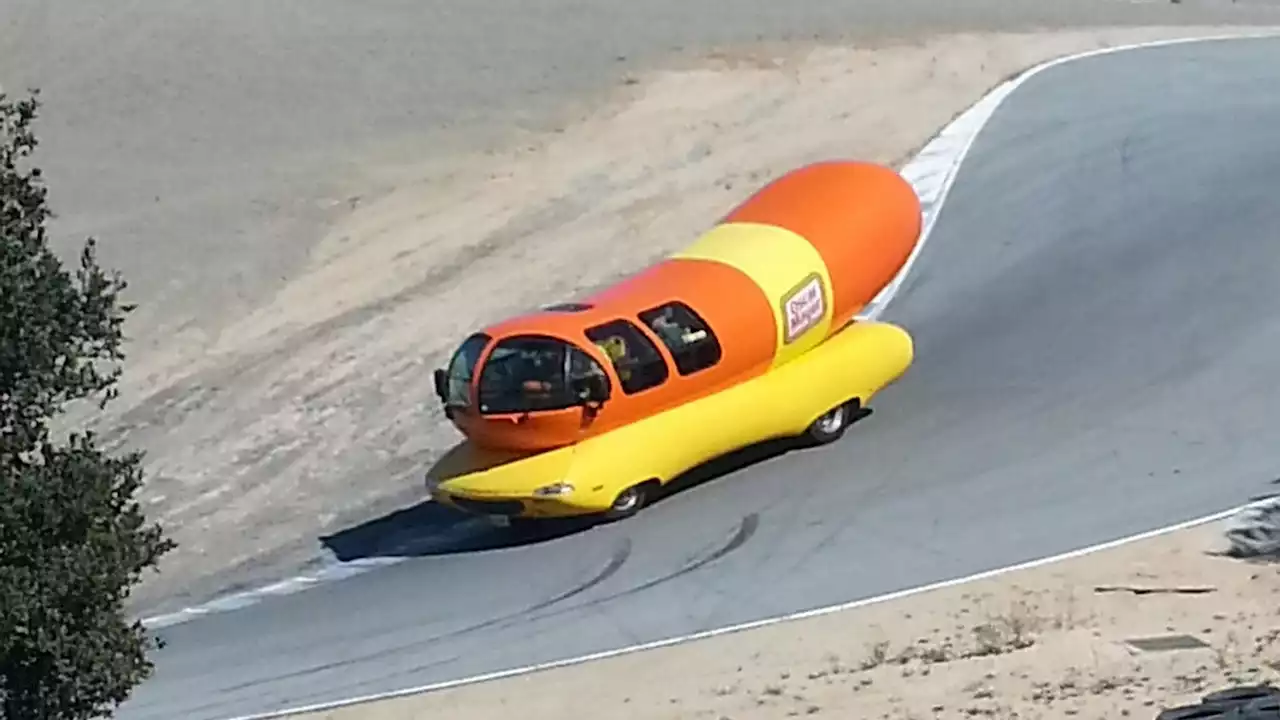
[781, 272]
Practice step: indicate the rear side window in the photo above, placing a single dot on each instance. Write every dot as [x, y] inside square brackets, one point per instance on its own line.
[692, 343]
[637, 361]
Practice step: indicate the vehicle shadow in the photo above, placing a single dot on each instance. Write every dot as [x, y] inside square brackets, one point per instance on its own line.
[428, 529]
[725, 465]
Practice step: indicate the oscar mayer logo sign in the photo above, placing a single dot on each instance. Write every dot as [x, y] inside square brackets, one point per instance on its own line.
[803, 307]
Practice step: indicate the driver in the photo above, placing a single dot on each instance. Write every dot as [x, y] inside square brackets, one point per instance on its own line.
[615, 348]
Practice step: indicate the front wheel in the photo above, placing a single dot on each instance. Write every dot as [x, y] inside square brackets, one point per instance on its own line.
[629, 501]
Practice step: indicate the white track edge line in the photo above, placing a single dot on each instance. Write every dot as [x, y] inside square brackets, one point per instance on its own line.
[753, 625]
[946, 151]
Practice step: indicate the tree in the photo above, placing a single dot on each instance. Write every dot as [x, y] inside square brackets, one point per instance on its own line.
[73, 540]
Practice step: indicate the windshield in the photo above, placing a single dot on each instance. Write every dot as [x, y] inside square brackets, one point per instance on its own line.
[531, 373]
[462, 368]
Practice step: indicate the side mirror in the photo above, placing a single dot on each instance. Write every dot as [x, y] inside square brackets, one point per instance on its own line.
[596, 390]
[441, 379]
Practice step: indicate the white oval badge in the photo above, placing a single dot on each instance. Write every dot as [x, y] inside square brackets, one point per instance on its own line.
[804, 307]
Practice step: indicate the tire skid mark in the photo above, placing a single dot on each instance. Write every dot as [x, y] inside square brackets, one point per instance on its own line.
[616, 561]
[741, 534]
[745, 531]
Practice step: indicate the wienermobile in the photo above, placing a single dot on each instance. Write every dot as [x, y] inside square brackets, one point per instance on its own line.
[749, 334]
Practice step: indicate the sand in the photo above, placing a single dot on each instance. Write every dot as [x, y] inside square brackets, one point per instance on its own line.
[1047, 642]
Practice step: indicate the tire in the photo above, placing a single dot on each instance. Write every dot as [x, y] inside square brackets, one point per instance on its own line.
[1192, 712]
[630, 501]
[1241, 695]
[1238, 703]
[831, 426]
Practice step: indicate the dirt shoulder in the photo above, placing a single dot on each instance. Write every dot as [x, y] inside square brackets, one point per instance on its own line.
[311, 414]
[1048, 642]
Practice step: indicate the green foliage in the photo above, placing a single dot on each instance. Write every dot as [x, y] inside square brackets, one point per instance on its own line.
[73, 540]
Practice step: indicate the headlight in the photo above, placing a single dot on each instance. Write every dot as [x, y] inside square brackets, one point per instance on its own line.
[553, 490]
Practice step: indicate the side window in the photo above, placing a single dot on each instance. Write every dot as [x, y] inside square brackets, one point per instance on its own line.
[685, 334]
[582, 369]
[637, 361]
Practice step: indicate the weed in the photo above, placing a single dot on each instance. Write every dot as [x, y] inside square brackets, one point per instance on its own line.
[877, 656]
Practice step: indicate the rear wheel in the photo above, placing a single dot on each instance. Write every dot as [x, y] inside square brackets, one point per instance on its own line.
[829, 427]
[832, 425]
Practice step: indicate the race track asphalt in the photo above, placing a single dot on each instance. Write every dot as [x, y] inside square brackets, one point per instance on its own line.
[1097, 336]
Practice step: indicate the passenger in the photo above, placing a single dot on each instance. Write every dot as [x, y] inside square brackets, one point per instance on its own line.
[615, 348]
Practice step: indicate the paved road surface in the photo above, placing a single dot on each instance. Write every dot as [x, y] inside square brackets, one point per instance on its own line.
[1097, 343]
